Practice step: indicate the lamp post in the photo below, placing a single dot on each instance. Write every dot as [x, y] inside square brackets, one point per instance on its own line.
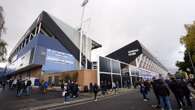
[81, 32]
[188, 52]
[189, 55]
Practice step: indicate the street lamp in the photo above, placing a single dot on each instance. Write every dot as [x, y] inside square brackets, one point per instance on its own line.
[81, 32]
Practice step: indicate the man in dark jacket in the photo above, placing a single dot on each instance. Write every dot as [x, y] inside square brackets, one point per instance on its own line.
[176, 88]
[164, 93]
[22, 87]
[95, 91]
[155, 84]
[186, 92]
[18, 85]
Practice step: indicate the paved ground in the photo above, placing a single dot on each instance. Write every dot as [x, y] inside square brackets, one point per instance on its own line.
[128, 101]
[9, 101]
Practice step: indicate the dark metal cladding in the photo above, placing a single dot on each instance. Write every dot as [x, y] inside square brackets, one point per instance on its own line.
[122, 53]
[48, 23]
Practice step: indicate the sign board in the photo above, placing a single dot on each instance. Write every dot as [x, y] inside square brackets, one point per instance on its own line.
[57, 61]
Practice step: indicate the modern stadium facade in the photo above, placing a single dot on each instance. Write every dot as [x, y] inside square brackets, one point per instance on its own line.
[50, 49]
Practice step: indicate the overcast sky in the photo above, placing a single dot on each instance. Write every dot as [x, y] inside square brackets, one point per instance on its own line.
[157, 24]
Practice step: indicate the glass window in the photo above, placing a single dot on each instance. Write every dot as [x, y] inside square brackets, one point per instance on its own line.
[115, 67]
[104, 65]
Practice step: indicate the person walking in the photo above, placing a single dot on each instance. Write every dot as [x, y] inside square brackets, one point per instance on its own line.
[147, 85]
[176, 88]
[22, 87]
[3, 85]
[114, 87]
[103, 87]
[164, 93]
[45, 86]
[66, 93]
[144, 91]
[74, 90]
[155, 84]
[18, 87]
[28, 87]
[90, 87]
[186, 92]
[95, 91]
[62, 86]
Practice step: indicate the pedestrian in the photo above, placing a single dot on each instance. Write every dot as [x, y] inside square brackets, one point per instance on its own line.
[18, 87]
[22, 87]
[164, 93]
[144, 91]
[186, 92]
[28, 87]
[65, 93]
[71, 85]
[90, 87]
[75, 89]
[114, 87]
[3, 85]
[95, 91]
[155, 84]
[103, 85]
[14, 84]
[147, 85]
[62, 86]
[45, 86]
[41, 86]
[10, 83]
[176, 88]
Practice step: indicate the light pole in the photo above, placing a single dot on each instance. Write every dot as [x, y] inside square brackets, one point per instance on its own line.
[188, 52]
[189, 55]
[81, 32]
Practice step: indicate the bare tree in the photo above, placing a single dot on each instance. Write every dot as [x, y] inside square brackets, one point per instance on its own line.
[3, 44]
[2, 21]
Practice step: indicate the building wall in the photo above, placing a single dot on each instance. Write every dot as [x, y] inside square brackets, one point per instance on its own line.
[39, 46]
[82, 77]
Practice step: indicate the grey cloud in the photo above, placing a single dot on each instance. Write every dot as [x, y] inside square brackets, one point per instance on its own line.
[158, 24]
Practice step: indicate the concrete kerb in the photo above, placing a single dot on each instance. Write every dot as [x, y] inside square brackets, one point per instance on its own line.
[122, 91]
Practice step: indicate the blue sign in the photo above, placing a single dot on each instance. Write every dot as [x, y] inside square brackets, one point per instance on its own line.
[57, 61]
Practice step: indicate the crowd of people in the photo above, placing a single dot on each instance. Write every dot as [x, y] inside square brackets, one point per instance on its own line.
[70, 90]
[23, 87]
[163, 88]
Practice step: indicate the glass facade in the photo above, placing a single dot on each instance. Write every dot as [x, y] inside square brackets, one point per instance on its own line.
[105, 65]
[113, 71]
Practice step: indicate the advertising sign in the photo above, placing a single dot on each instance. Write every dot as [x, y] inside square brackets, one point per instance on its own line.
[57, 61]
